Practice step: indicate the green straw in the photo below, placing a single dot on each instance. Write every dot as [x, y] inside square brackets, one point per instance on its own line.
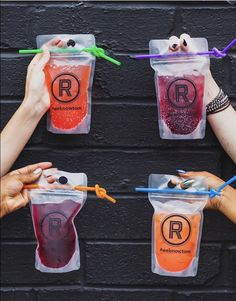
[94, 50]
[30, 51]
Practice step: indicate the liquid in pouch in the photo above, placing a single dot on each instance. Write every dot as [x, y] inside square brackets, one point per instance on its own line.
[69, 77]
[53, 211]
[180, 89]
[176, 228]
[55, 232]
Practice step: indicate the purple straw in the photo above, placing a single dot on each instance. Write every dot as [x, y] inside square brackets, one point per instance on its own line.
[215, 52]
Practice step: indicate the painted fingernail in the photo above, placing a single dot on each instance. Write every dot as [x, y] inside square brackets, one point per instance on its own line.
[185, 41]
[172, 183]
[37, 171]
[173, 43]
[180, 171]
[186, 184]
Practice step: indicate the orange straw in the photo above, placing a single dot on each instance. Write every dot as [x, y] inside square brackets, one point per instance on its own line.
[100, 192]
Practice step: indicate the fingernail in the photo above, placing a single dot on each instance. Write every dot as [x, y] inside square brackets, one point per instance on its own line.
[174, 46]
[184, 42]
[37, 171]
[180, 171]
[187, 183]
[172, 183]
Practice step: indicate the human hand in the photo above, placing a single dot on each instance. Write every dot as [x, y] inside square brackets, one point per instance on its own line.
[226, 203]
[37, 99]
[13, 196]
[184, 44]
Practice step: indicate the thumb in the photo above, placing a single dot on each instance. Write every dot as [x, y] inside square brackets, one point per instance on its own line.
[30, 177]
[44, 58]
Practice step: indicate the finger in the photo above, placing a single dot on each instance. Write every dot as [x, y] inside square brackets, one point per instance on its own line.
[31, 168]
[31, 66]
[30, 177]
[51, 179]
[44, 58]
[174, 44]
[33, 63]
[50, 172]
[211, 180]
[62, 43]
[53, 42]
[185, 42]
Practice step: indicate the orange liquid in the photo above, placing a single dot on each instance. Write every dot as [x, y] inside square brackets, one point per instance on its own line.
[175, 240]
[68, 88]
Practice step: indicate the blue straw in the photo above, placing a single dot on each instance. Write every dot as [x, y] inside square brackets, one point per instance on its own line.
[231, 180]
[212, 192]
[177, 191]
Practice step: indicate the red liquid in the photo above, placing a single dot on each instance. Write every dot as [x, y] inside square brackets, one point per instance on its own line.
[68, 88]
[181, 102]
[54, 230]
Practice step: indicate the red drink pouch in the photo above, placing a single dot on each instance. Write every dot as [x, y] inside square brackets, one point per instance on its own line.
[69, 78]
[176, 227]
[180, 88]
[53, 211]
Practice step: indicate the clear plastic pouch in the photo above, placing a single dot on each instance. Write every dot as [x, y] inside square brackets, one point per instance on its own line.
[53, 211]
[69, 78]
[176, 227]
[180, 89]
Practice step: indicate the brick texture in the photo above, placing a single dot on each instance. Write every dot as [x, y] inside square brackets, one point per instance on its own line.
[121, 150]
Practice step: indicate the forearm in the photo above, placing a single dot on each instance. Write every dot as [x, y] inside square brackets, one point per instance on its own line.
[227, 204]
[222, 123]
[224, 126]
[16, 134]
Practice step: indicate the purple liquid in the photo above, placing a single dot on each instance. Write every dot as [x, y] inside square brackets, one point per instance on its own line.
[55, 232]
[181, 102]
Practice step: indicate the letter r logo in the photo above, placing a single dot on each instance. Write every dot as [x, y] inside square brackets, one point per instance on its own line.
[181, 93]
[176, 229]
[65, 87]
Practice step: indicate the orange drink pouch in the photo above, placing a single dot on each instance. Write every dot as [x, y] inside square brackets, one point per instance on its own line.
[69, 78]
[176, 226]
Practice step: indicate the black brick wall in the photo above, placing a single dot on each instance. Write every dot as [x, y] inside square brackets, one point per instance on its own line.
[122, 149]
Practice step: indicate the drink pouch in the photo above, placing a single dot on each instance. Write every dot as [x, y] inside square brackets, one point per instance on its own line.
[53, 211]
[180, 89]
[69, 78]
[176, 226]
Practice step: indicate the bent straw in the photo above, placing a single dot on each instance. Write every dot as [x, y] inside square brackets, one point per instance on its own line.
[94, 50]
[100, 192]
[212, 192]
[214, 52]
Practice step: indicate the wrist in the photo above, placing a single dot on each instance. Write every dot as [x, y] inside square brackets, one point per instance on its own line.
[212, 91]
[34, 112]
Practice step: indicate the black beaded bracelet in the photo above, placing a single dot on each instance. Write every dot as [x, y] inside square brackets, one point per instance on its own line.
[218, 104]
